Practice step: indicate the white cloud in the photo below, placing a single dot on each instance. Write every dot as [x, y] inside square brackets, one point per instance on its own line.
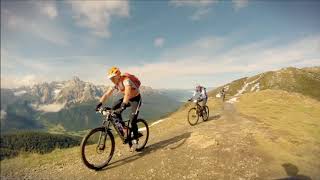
[32, 22]
[201, 6]
[55, 107]
[48, 8]
[251, 58]
[18, 70]
[238, 4]
[199, 48]
[209, 42]
[202, 61]
[200, 13]
[18, 81]
[96, 15]
[11, 61]
[51, 34]
[192, 3]
[159, 42]
[3, 115]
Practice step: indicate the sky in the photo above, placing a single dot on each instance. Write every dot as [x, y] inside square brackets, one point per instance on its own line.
[167, 44]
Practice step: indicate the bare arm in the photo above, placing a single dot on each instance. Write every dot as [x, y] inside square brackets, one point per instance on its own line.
[203, 93]
[127, 92]
[106, 95]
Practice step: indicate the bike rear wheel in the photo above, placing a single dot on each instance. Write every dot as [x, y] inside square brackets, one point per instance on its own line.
[193, 116]
[97, 148]
[143, 131]
[205, 113]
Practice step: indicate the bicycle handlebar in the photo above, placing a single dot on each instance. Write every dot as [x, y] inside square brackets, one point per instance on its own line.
[106, 111]
[195, 100]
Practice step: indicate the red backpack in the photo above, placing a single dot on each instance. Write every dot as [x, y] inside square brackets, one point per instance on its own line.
[134, 79]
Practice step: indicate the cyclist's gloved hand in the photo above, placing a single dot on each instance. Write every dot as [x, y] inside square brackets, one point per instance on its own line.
[124, 105]
[98, 106]
[122, 108]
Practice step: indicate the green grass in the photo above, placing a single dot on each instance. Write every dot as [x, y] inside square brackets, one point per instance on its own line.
[289, 127]
[293, 80]
[305, 81]
[34, 142]
[31, 160]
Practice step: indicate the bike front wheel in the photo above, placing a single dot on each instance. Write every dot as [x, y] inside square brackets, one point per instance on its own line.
[193, 116]
[97, 148]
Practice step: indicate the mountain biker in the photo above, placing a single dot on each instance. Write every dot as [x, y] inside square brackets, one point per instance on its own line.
[200, 94]
[223, 94]
[128, 85]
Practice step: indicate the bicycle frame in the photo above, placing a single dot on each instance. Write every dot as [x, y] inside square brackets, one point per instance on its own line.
[109, 119]
[198, 107]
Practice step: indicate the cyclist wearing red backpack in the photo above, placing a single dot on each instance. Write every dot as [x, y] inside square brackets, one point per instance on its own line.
[128, 85]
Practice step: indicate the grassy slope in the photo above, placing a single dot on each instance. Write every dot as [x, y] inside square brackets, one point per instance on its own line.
[272, 128]
[305, 81]
[289, 128]
[25, 162]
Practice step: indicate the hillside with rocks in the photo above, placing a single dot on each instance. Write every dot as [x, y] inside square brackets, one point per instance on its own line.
[305, 81]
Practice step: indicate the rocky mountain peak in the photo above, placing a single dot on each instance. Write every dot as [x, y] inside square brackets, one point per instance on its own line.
[69, 92]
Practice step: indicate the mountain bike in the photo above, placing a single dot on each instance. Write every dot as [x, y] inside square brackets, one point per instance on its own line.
[196, 112]
[98, 146]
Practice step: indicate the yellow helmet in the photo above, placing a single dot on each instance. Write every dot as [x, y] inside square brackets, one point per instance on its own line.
[114, 71]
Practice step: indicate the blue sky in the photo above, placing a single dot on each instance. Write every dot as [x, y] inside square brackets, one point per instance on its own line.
[167, 44]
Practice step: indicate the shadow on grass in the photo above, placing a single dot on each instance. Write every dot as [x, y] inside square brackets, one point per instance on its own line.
[292, 172]
[215, 117]
[149, 149]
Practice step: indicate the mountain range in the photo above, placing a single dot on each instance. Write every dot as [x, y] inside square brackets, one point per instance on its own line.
[69, 105]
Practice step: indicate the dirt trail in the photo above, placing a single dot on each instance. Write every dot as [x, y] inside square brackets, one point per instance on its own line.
[221, 148]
